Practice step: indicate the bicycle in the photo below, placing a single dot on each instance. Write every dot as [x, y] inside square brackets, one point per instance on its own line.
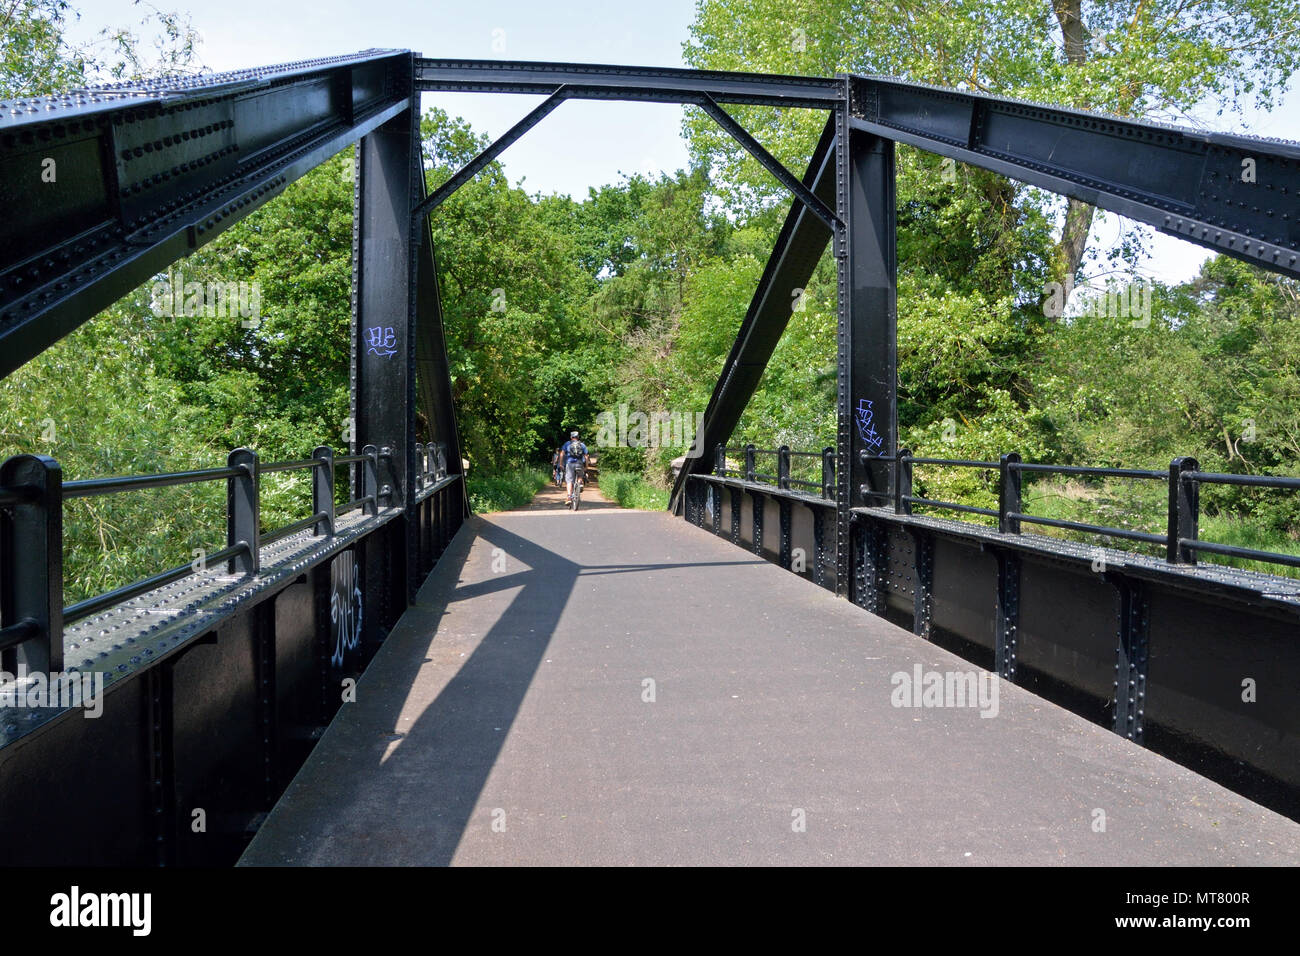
[576, 499]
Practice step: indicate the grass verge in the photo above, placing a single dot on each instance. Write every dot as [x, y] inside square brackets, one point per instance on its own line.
[632, 491]
[503, 490]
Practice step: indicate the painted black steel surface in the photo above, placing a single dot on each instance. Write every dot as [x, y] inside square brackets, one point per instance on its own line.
[1233, 194]
[145, 175]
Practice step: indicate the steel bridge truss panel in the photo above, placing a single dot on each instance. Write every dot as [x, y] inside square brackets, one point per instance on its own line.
[1238, 195]
[104, 188]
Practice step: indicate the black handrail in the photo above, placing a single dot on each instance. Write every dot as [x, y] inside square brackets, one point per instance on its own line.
[17, 633]
[354, 504]
[950, 506]
[291, 465]
[1233, 551]
[1251, 481]
[1144, 536]
[91, 487]
[292, 529]
[1087, 470]
[429, 463]
[1181, 540]
[952, 462]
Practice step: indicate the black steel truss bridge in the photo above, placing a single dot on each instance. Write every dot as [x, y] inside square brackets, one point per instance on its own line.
[220, 681]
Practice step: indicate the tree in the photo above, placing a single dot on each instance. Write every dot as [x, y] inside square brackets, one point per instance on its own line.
[1132, 58]
[37, 59]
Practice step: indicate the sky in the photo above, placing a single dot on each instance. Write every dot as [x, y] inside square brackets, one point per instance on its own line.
[581, 144]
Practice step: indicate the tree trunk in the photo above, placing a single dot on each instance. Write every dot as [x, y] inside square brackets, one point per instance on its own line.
[1069, 251]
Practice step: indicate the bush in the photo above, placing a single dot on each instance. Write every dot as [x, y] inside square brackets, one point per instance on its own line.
[503, 490]
[632, 491]
[620, 458]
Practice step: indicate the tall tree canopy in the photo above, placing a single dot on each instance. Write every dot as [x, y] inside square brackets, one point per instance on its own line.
[1133, 58]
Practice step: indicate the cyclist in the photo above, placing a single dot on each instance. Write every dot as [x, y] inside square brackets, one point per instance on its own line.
[557, 466]
[575, 462]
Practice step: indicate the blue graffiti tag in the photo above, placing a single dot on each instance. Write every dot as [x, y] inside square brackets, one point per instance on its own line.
[866, 425]
[382, 341]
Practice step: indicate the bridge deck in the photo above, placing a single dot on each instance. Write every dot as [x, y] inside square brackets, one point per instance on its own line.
[518, 695]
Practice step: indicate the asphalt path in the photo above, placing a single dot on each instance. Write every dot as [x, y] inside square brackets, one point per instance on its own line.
[616, 687]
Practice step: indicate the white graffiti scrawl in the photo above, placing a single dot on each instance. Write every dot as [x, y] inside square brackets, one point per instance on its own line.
[345, 606]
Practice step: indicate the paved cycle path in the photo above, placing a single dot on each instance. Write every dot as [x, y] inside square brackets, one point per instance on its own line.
[619, 687]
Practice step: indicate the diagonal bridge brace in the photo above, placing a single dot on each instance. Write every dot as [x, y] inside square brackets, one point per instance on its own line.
[475, 165]
[770, 162]
[798, 248]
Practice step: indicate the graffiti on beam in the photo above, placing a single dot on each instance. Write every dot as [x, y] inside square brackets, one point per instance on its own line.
[345, 606]
[866, 418]
[382, 341]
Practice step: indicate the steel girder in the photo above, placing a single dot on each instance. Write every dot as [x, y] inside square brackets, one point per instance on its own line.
[1239, 195]
[384, 291]
[655, 84]
[867, 338]
[103, 188]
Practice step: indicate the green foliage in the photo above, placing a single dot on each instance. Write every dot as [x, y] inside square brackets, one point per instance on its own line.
[558, 310]
[36, 58]
[633, 491]
[1213, 376]
[522, 350]
[503, 490]
[623, 458]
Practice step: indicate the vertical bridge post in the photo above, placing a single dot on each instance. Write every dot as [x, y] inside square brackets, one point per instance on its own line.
[384, 277]
[322, 488]
[867, 413]
[31, 553]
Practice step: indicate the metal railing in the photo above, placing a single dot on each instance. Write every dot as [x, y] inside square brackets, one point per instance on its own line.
[33, 493]
[1181, 541]
[782, 480]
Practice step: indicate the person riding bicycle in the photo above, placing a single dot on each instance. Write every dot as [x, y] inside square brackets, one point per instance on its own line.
[575, 462]
[557, 465]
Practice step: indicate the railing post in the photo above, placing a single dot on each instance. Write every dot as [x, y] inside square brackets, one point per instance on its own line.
[420, 470]
[903, 482]
[370, 477]
[783, 467]
[31, 542]
[242, 512]
[1184, 511]
[1009, 498]
[720, 460]
[322, 488]
[386, 491]
[749, 463]
[828, 472]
